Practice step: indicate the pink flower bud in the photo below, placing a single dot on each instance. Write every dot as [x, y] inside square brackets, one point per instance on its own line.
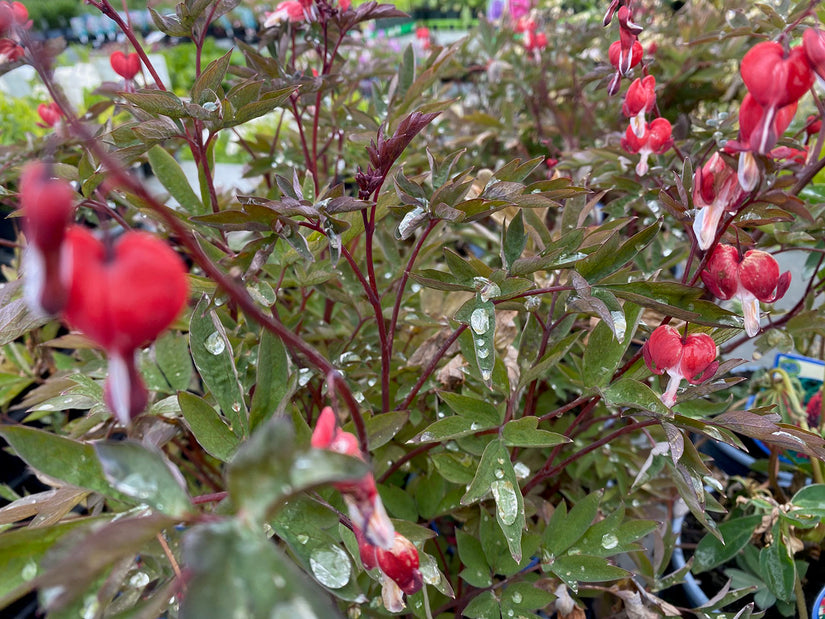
[753, 279]
[692, 358]
[623, 59]
[813, 125]
[715, 190]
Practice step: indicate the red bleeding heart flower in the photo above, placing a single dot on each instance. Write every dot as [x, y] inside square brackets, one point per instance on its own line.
[639, 100]
[752, 279]
[775, 80]
[47, 208]
[716, 189]
[692, 358]
[361, 496]
[50, 114]
[813, 125]
[398, 565]
[754, 138]
[813, 42]
[11, 14]
[625, 59]
[535, 41]
[655, 140]
[122, 295]
[126, 66]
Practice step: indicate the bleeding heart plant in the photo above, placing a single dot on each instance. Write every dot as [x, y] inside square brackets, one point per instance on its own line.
[692, 358]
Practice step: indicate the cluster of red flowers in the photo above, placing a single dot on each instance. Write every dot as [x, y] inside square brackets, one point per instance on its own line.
[378, 543]
[120, 293]
[641, 137]
[13, 16]
[534, 41]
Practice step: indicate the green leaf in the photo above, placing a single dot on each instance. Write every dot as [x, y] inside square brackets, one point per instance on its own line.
[265, 104]
[810, 500]
[495, 474]
[62, 458]
[267, 469]
[208, 427]
[173, 179]
[525, 433]
[157, 102]
[100, 547]
[21, 552]
[565, 529]
[452, 427]
[482, 321]
[605, 350]
[515, 240]
[483, 606]
[476, 571]
[573, 569]
[710, 552]
[271, 379]
[215, 361]
[634, 394]
[459, 468]
[478, 410]
[211, 77]
[381, 429]
[777, 568]
[172, 355]
[233, 569]
[145, 475]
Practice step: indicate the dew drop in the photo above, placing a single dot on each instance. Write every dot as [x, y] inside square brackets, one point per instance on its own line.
[91, 606]
[139, 580]
[236, 407]
[279, 581]
[483, 353]
[510, 613]
[486, 374]
[499, 474]
[517, 597]
[480, 342]
[522, 470]
[331, 566]
[29, 570]
[609, 541]
[474, 426]
[214, 343]
[302, 538]
[480, 320]
[506, 501]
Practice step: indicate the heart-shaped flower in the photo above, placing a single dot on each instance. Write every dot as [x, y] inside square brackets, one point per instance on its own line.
[752, 279]
[122, 296]
[126, 66]
[656, 139]
[50, 114]
[692, 358]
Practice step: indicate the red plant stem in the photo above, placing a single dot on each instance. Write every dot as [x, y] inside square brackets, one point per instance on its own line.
[215, 497]
[541, 475]
[108, 10]
[425, 374]
[233, 288]
[406, 458]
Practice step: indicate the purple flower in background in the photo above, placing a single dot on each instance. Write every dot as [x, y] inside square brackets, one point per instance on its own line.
[494, 9]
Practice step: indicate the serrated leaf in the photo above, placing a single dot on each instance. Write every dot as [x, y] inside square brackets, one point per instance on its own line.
[208, 427]
[145, 475]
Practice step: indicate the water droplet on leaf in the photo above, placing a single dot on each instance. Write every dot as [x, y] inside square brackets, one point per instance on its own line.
[609, 541]
[517, 597]
[480, 320]
[331, 566]
[499, 474]
[506, 501]
[214, 343]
